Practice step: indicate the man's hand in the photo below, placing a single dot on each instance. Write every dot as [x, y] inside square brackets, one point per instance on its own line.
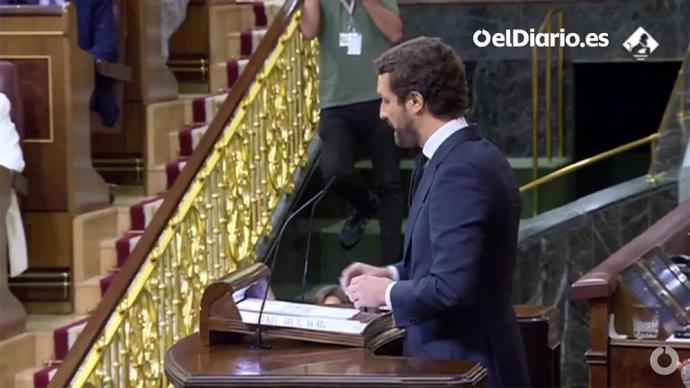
[358, 269]
[368, 291]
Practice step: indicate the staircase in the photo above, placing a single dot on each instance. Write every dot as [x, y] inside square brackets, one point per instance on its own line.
[105, 239]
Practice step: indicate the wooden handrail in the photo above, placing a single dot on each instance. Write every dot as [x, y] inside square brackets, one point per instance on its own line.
[130, 269]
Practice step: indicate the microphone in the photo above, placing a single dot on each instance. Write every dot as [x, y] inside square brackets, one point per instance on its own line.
[315, 199]
[307, 251]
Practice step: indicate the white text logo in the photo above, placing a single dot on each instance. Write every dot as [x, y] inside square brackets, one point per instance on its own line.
[522, 38]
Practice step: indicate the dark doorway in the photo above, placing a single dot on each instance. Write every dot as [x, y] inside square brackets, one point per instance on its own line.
[616, 103]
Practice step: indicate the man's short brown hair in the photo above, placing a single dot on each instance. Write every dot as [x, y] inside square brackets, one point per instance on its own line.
[430, 67]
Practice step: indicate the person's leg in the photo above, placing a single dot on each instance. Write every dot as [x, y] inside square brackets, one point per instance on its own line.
[340, 145]
[385, 158]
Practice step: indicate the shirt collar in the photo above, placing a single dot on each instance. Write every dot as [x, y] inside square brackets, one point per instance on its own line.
[441, 134]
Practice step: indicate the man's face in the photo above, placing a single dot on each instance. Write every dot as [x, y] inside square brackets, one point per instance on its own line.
[396, 114]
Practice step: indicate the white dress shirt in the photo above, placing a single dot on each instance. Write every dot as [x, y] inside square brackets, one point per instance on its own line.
[429, 149]
[11, 157]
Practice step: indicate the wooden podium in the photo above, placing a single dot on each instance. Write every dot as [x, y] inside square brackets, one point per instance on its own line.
[222, 353]
[291, 363]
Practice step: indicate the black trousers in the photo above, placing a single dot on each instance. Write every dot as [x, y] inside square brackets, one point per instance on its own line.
[347, 130]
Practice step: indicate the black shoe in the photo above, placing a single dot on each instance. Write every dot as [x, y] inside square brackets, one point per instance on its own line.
[353, 230]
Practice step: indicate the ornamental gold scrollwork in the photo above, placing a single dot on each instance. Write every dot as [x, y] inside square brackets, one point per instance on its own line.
[218, 223]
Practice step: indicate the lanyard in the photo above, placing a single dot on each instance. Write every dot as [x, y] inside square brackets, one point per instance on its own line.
[350, 8]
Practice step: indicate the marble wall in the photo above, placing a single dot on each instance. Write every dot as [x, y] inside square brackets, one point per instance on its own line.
[501, 77]
[558, 247]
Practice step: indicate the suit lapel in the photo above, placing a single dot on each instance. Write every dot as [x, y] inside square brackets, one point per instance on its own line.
[469, 133]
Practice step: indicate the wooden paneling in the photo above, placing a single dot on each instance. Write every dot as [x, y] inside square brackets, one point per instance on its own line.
[633, 370]
[191, 39]
[44, 120]
[204, 36]
[289, 363]
[56, 82]
[162, 119]
[128, 143]
[224, 20]
[152, 81]
[34, 81]
[49, 239]
[89, 230]
[56, 78]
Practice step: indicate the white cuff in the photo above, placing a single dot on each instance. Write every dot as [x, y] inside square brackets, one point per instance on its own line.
[388, 294]
[394, 275]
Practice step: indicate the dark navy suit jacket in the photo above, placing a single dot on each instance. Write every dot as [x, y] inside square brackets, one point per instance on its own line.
[97, 35]
[454, 296]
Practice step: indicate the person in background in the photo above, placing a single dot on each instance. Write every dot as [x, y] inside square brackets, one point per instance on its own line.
[351, 34]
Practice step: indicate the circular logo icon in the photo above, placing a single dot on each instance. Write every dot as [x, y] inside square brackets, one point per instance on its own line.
[654, 360]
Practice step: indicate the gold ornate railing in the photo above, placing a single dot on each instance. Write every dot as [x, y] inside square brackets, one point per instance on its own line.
[212, 218]
[547, 27]
[651, 139]
[676, 109]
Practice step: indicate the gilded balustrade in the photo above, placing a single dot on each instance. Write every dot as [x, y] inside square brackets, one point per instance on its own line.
[217, 225]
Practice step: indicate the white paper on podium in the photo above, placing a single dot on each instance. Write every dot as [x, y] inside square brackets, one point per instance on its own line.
[296, 309]
[304, 322]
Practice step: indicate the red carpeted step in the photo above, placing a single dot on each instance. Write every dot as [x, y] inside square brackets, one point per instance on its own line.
[125, 245]
[64, 337]
[189, 138]
[142, 213]
[249, 41]
[204, 108]
[260, 17]
[42, 377]
[106, 282]
[173, 170]
[233, 69]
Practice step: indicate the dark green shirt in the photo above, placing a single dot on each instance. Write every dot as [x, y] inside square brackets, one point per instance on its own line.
[348, 79]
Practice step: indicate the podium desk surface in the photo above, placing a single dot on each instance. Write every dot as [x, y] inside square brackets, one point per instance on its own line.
[189, 363]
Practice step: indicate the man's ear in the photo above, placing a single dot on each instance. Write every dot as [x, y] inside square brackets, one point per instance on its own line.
[415, 102]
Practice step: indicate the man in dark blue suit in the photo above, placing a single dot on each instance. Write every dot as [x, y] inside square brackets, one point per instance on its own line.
[452, 289]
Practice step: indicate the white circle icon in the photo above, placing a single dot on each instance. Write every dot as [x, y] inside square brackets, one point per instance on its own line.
[654, 360]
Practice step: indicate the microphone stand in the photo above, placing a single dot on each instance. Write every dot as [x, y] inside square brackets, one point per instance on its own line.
[308, 249]
[258, 344]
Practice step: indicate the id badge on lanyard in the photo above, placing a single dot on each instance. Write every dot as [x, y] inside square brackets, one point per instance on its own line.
[351, 39]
